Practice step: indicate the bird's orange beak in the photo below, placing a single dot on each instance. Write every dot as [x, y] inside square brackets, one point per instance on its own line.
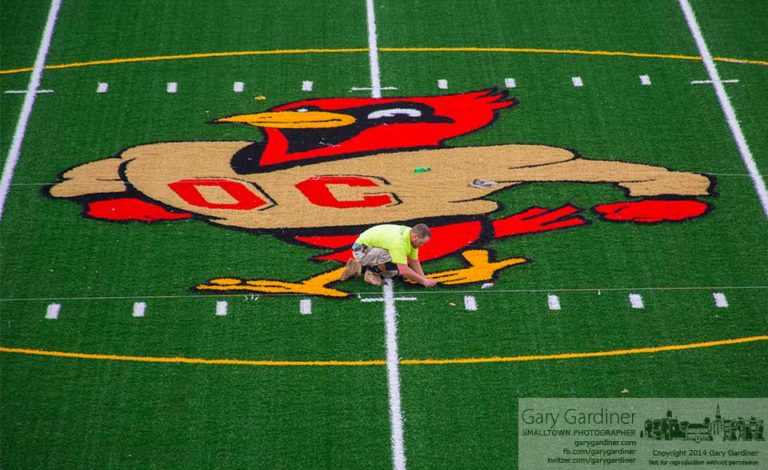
[293, 119]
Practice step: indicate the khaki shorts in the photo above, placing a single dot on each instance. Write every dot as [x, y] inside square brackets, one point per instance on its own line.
[373, 257]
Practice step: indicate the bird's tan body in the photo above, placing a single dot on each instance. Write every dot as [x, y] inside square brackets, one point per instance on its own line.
[442, 191]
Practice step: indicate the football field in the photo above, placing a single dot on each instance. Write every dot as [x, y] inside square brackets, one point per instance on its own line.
[182, 182]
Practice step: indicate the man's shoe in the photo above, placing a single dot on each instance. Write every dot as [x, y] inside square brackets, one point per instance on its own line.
[352, 270]
[372, 278]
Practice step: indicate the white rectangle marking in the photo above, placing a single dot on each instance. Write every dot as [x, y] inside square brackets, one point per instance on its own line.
[172, 87]
[636, 301]
[306, 85]
[554, 302]
[720, 300]
[238, 87]
[305, 306]
[221, 308]
[138, 309]
[442, 84]
[510, 83]
[645, 80]
[577, 82]
[102, 88]
[53, 312]
[470, 303]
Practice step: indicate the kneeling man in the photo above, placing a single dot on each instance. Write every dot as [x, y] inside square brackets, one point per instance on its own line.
[385, 251]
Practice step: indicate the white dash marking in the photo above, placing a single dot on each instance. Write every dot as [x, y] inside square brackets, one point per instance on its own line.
[373, 50]
[554, 302]
[53, 312]
[510, 83]
[720, 300]
[305, 306]
[636, 301]
[306, 85]
[442, 84]
[102, 87]
[24, 92]
[577, 82]
[139, 308]
[645, 80]
[393, 378]
[356, 88]
[487, 285]
[172, 87]
[26, 107]
[709, 82]
[238, 87]
[470, 303]
[221, 308]
[725, 104]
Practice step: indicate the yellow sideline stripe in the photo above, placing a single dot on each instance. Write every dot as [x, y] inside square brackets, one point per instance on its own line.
[475, 360]
[203, 55]
[529, 50]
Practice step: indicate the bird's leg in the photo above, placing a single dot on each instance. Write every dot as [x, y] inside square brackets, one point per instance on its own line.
[480, 268]
[315, 285]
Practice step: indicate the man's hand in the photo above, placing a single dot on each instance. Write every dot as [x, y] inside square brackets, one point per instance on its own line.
[410, 274]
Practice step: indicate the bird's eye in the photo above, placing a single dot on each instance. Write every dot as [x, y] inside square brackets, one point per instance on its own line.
[302, 110]
[393, 112]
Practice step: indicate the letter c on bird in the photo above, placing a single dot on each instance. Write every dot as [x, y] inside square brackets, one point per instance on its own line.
[316, 190]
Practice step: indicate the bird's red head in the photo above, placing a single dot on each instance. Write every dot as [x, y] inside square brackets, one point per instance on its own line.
[335, 127]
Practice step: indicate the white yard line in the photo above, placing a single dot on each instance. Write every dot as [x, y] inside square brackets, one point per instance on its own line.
[373, 51]
[393, 377]
[29, 101]
[725, 104]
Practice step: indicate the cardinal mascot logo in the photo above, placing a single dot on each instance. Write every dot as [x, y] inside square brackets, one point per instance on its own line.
[326, 169]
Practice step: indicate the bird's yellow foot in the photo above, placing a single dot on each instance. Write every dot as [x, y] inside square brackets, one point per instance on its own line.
[316, 285]
[480, 269]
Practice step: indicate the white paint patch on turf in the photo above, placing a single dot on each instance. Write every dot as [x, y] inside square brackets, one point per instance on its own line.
[510, 83]
[52, 313]
[305, 306]
[29, 100]
[645, 80]
[636, 301]
[720, 300]
[139, 308]
[306, 85]
[172, 87]
[470, 303]
[553, 302]
[102, 87]
[221, 308]
[442, 84]
[238, 87]
[373, 50]
[577, 82]
[725, 104]
[393, 377]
